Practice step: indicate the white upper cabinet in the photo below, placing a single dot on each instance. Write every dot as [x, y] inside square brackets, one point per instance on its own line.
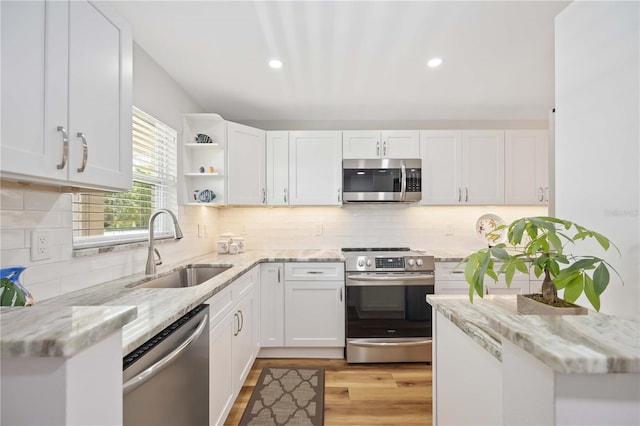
[483, 167]
[462, 167]
[66, 94]
[246, 165]
[441, 166]
[395, 144]
[315, 168]
[277, 168]
[526, 167]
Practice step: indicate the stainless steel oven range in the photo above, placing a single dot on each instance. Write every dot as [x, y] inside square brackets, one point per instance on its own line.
[388, 317]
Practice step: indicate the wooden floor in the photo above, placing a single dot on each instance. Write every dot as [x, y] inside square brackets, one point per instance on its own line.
[359, 394]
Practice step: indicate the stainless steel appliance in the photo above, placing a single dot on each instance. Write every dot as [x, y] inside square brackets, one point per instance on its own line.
[381, 180]
[388, 317]
[166, 380]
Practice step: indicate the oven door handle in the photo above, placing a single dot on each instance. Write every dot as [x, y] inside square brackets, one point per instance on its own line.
[403, 185]
[386, 278]
[398, 342]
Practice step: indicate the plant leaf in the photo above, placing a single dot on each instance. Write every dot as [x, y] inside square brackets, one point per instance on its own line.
[604, 241]
[499, 253]
[600, 279]
[515, 234]
[592, 295]
[573, 290]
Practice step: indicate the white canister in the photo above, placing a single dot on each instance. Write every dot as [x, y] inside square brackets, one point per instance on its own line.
[240, 242]
[227, 236]
[233, 248]
[222, 246]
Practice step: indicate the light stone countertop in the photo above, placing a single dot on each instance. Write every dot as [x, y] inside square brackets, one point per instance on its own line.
[595, 343]
[67, 324]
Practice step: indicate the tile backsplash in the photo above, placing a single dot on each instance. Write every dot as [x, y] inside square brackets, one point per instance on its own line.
[26, 209]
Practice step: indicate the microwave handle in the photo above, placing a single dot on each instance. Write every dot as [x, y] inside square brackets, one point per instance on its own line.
[403, 179]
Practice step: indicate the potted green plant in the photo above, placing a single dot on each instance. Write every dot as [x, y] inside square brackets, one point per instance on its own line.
[541, 243]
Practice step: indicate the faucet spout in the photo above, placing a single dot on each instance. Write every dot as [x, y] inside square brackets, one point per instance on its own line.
[150, 268]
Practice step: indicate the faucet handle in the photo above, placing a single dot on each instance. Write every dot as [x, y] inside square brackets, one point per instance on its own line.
[159, 261]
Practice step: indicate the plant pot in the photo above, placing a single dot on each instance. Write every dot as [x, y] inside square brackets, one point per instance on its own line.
[528, 306]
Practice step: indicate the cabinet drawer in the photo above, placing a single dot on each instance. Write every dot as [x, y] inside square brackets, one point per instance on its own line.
[314, 271]
[445, 271]
[241, 286]
[219, 305]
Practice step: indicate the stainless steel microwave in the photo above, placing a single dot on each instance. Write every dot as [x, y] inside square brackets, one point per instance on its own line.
[382, 180]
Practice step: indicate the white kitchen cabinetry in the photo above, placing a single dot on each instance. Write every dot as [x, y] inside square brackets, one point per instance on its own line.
[277, 168]
[232, 343]
[204, 164]
[302, 306]
[66, 94]
[272, 305]
[366, 144]
[463, 167]
[315, 168]
[450, 280]
[314, 304]
[526, 167]
[246, 165]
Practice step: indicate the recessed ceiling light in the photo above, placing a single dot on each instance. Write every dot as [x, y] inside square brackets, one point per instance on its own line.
[434, 62]
[275, 63]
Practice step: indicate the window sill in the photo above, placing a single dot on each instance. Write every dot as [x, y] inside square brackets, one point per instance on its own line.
[91, 251]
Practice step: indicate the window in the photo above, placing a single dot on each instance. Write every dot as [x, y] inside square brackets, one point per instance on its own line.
[105, 219]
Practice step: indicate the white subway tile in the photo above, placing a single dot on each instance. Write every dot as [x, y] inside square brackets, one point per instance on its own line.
[15, 257]
[39, 200]
[44, 290]
[11, 199]
[12, 239]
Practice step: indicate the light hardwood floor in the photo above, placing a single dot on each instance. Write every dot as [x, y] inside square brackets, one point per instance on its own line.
[359, 394]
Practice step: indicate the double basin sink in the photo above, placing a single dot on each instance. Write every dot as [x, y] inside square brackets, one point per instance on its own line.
[185, 276]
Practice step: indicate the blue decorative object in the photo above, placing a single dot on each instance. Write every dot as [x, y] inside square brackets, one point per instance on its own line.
[12, 293]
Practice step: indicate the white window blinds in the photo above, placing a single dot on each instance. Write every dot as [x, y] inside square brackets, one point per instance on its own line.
[112, 218]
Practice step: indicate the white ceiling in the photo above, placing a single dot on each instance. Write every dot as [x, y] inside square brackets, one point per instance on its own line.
[361, 60]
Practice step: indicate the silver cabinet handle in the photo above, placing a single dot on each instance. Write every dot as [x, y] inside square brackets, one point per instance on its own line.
[466, 194]
[384, 148]
[235, 333]
[65, 147]
[314, 272]
[85, 152]
[377, 148]
[546, 194]
[341, 294]
[459, 194]
[285, 195]
[541, 189]
[147, 374]
[339, 193]
[241, 321]
[278, 275]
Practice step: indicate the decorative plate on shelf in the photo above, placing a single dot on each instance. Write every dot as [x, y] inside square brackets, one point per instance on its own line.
[485, 226]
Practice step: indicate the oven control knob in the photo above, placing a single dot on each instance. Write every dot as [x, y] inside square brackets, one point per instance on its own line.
[410, 262]
[360, 263]
[419, 262]
[368, 262]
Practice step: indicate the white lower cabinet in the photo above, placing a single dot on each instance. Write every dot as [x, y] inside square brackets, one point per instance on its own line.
[450, 280]
[302, 304]
[232, 340]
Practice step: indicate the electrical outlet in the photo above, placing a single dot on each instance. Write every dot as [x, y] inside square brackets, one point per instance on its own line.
[40, 245]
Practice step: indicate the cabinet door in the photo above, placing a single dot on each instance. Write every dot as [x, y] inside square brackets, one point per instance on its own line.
[483, 167]
[278, 168]
[243, 347]
[100, 97]
[221, 359]
[314, 313]
[361, 144]
[246, 165]
[315, 168]
[34, 88]
[400, 144]
[441, 152]
[526, 167]
[272, 305]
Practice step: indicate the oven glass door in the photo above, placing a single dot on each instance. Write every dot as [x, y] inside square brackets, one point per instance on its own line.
[372, 180]
[388, 311]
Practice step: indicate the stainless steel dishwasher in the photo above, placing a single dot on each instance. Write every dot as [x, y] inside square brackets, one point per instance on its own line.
[166, 380]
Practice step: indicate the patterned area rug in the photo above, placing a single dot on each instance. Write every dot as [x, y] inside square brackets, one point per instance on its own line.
[286, 396]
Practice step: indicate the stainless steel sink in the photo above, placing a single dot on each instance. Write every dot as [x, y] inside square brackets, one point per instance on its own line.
[186, 276]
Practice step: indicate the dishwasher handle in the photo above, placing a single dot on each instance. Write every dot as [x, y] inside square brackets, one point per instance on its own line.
[147, 374]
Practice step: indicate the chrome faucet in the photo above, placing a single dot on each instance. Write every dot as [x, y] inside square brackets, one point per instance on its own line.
[177, 234]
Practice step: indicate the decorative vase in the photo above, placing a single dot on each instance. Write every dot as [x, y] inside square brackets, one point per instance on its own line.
[12, 292]
[527, 305]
